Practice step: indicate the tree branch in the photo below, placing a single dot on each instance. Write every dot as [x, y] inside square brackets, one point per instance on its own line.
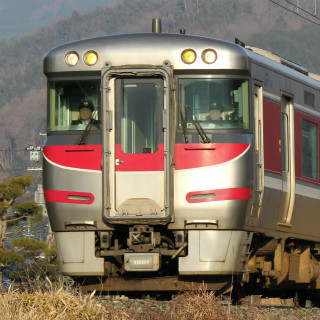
[16, 219]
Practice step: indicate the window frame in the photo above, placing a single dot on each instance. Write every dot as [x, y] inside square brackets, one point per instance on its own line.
[316, 161]
[53, 112]
[193, 130]
[119, 104]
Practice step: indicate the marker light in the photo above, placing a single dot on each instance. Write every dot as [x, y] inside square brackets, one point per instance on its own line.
[209, 56]
[188, 56]
[90, 58]
[71, 58]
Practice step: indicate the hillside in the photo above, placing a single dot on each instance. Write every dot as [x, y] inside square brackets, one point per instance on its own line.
[19, 18]
[23, 86]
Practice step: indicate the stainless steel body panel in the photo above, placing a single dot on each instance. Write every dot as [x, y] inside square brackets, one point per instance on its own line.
[304, 223]
[215, 252]
[229, 213]
[74, 180]
[76, 254]
[146, 49]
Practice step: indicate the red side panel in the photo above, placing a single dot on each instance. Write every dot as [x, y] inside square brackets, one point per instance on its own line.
[298, 142]
[140, 161]
[80, 157]
[272, 136]
[195, 155]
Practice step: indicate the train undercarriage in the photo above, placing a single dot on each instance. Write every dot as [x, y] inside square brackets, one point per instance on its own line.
[145, 260]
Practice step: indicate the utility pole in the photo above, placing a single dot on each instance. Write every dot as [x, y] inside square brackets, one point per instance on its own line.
[35, 156]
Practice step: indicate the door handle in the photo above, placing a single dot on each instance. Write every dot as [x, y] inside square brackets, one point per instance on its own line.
[118, 162]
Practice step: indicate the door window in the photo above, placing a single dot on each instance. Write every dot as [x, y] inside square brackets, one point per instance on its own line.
[139, 106]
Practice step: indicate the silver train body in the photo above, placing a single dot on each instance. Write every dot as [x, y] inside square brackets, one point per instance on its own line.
[204, 166]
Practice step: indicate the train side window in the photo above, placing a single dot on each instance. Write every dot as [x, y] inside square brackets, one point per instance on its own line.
[309, 99]
[310, 150]
[285, 142]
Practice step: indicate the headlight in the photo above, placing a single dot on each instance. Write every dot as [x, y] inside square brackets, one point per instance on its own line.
[71, 58]
[209, 56]
[188, 56]
[90, 58]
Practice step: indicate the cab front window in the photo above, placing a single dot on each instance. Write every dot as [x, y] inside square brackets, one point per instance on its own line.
[214, 103]
[73, 104]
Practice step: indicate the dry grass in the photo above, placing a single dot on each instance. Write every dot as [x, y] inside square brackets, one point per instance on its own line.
[54, 304]
[66, 303]
[199, 304]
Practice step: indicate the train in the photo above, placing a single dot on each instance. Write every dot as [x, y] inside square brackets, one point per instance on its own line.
[199, 164]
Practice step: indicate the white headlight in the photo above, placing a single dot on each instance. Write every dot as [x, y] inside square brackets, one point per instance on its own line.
[209, 56]
[71, 58]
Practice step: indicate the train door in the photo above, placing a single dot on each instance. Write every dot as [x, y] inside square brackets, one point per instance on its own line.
[288, 161]
[258, 154]
[135, 175]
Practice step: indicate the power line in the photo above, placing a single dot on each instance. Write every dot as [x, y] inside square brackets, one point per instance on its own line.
[12, 150]
[296, 13]
[11, 170]
[297, 7]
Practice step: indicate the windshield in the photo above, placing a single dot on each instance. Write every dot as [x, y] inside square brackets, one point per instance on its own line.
[213, 103]
[72, 104]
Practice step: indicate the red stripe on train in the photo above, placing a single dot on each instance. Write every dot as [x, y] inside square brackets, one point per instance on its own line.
[195, 155]
[218, 195]
[80, 157]
[140, 161]
[186, 156]
[68, 197]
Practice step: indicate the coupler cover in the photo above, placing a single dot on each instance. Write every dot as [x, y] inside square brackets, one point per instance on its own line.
[141, 262]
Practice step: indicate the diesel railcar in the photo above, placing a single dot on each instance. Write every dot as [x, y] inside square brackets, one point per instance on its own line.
[200, 164]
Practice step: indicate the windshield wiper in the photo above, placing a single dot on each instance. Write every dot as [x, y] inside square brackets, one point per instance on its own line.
[82, 139]
[183, 123]
[202, 134]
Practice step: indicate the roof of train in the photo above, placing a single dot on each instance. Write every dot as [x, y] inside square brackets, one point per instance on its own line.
[147, 49]
[291, 69]
[154, 48]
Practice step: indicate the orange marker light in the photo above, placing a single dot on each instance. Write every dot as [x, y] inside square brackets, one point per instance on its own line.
[90, 58]
[188, 56]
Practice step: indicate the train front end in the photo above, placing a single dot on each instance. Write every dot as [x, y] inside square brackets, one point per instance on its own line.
[152, 193]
